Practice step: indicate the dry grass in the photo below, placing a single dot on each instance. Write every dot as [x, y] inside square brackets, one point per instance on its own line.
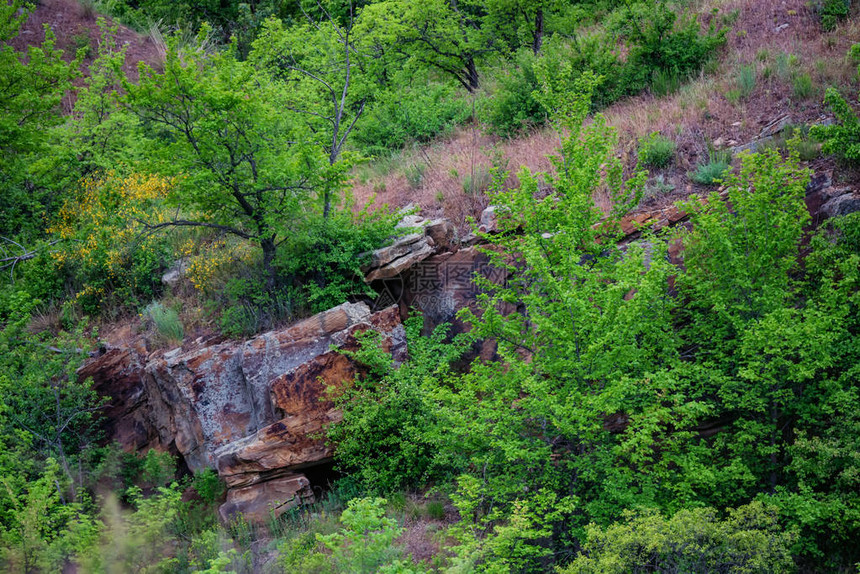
[451, 170]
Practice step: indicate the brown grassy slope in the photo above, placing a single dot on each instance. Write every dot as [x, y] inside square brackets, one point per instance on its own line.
[75, 26]
[780, 39]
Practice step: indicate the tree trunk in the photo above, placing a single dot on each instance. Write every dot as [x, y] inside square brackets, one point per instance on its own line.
[471, 74]
[268, 245]
[538, 32]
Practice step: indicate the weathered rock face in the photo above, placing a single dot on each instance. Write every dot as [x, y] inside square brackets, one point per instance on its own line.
[254, 410]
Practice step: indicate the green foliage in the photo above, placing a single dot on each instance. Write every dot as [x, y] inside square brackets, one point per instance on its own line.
[230, 143]
[33, 84]
[656, 150]
[415, 112]
[659, 42]
[414, 173]
[842, 138]
[324, 260]
[105, 255]
[746, 80]
[389, 438]
[365, 544]
[803, 86]
[750, 540]
[665, 82]
[712, 171]
[657, 187]
[832, 12]
[661, 54]
[167, 324]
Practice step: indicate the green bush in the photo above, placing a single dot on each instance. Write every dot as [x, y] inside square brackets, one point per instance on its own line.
[842, 138]
[364, 545]
[387, 437]
[659, 43]
[419, 111]
[746, 80]
[832, 12]
[749, 540]
[665, 82]
[657, 187]
[711, 171]
[323, 263]
[803, 86]
[656, 150]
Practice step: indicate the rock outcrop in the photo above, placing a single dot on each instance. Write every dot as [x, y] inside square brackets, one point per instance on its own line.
[253, 410]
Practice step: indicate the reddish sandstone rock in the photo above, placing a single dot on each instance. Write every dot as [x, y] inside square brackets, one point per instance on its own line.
[258, 503]
[258, 408]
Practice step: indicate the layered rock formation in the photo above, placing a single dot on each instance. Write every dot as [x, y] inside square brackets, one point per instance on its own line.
[253, 410]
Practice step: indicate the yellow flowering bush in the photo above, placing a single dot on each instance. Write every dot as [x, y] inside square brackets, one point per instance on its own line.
[210, 264]
[104, 248]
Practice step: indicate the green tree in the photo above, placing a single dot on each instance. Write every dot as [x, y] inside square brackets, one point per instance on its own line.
[440, 34]
[32, 85]
[325, 81]
[245, 169]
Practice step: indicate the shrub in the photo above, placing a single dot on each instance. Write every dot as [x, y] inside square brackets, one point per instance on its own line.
[842, 138]
[750, 540]
[746, 80]
[418, 111]
[656, 150]
[323, 264]
[387, 436]
[832, 11]
[657, 187]
[665, 82]
[711, 171]
[414, 173]
[106, 255]
[660, 43]
[803, 86]
[364, 545]
[476, 182]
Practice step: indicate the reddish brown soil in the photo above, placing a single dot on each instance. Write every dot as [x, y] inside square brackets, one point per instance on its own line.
[72, 24]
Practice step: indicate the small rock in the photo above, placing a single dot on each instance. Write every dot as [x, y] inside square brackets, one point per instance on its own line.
[719, 142]
[175, 274]
[780, 28]
[489, 219]
[842, 205]
[443, 235]
[412, 221]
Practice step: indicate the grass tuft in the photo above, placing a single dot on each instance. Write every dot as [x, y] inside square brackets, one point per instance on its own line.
[712, 171]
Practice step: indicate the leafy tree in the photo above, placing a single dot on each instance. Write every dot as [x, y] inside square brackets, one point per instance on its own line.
[364, 545]
[32, 85]
[447, 36]
[843, 137]
[245, 169]
[327, 84]
[390, 436]
[44, 403]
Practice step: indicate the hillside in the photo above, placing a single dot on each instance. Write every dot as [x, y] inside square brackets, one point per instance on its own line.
[417, 286]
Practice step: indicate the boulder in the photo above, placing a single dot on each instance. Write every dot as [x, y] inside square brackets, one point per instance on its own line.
[444, 235]
[413, 254]
[489, 219]
[842, 205]
[255, 410]
[259, 503]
